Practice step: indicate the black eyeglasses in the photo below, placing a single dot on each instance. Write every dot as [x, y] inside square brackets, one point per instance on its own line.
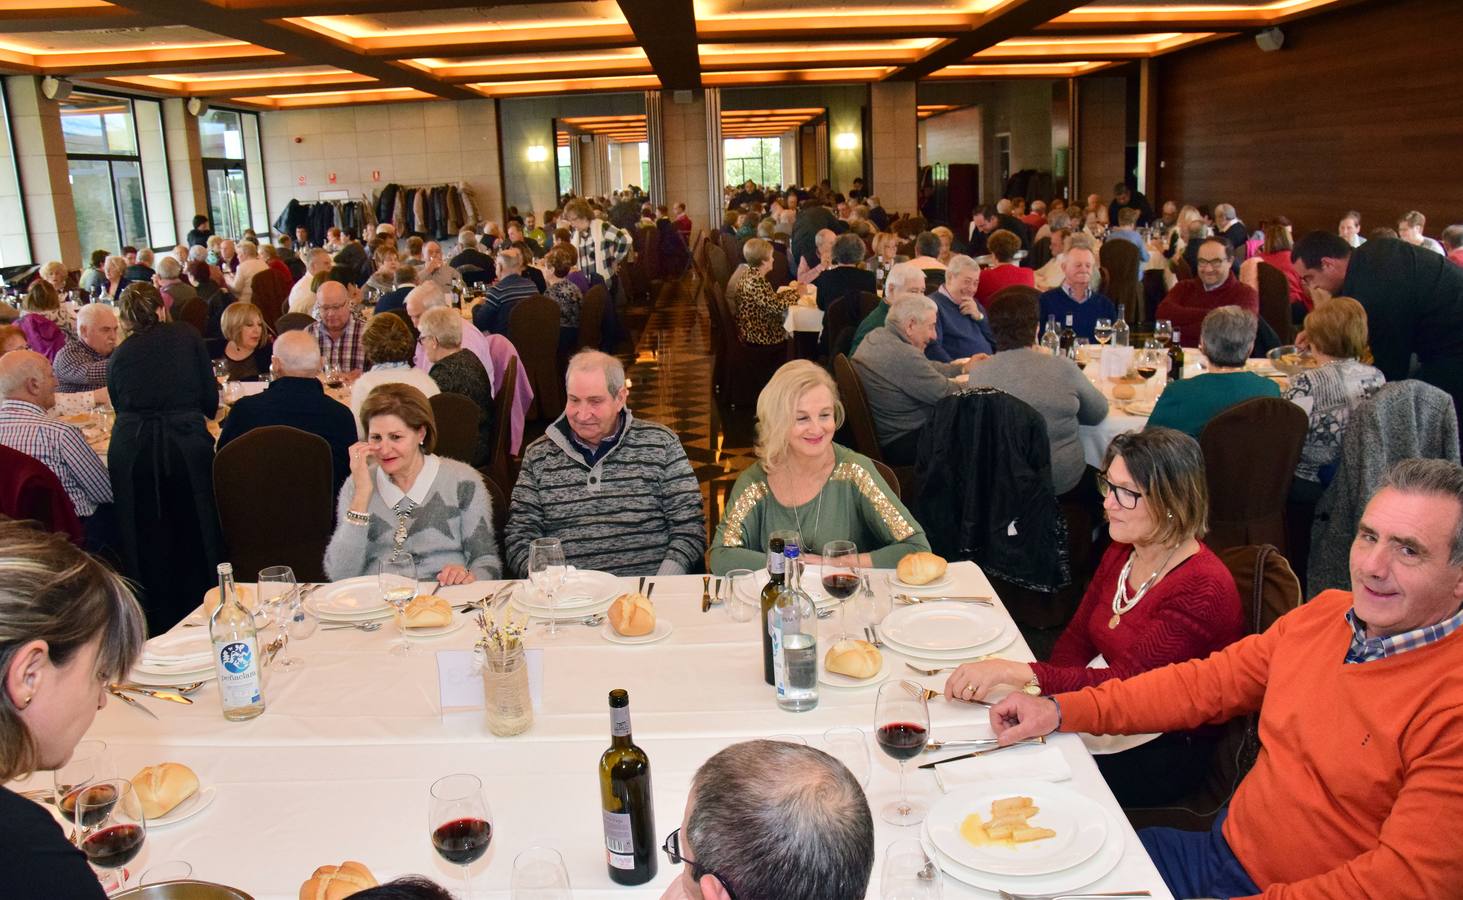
[1127, 497]
[672, 848]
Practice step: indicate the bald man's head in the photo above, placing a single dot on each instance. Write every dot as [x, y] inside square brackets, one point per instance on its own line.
[26, 375]
[296, 355]
[425, 296]
[335, 305]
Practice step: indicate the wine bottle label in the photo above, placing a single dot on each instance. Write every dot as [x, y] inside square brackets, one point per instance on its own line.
[619, 840]
[775, 564]
[620, 721]
[238, 673]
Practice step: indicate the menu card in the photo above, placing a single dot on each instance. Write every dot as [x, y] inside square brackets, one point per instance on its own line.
[461, 684]
[1116, 361]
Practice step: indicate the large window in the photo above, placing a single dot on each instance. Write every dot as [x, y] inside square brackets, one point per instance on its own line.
[565, 168]
[221, 139]
[759, 159]
[106, 171]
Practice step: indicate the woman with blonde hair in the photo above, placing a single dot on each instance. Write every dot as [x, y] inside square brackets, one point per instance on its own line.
[1336, 333]
[804, 482]
[247, 351]
[947, 240]
[69, 627]
[760, 310]
[54, 273]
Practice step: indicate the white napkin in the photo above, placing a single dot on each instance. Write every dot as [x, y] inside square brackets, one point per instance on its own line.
[179, 649]
[1040, 761]
[1103, 744]
[1115, 361]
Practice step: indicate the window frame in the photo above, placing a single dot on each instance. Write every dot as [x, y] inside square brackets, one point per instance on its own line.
[110, 158]
[225, 163]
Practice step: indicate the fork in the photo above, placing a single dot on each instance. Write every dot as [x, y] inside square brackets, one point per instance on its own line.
[1007, 895]
[935, 695]
[911, 599]
[873, 636]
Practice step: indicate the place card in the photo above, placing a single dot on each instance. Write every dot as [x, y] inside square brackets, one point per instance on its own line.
[1116, 361]
[460, 684]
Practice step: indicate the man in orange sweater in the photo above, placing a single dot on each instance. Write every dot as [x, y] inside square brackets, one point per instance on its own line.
[1360, 698]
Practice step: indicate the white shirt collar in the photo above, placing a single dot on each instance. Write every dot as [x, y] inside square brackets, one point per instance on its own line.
[392, 495]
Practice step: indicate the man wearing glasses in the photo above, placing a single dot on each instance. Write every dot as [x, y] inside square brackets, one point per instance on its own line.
[337, 331]
[768, 820]
[1190, 301]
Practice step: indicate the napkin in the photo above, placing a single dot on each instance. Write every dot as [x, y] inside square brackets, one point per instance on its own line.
[1040, 761]
[182, 649]
[1115, 361]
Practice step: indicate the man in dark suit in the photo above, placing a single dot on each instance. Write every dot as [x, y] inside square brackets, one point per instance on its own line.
[470, 254]
[848, 276]
[297, 399]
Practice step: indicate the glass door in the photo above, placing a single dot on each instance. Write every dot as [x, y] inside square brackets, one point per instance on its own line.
[228, 199]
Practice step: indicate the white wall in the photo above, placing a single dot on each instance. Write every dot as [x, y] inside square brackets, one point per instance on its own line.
[954, 137]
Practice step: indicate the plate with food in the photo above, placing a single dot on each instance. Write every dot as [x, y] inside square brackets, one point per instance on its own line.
[922, 571]
[1290, 360]
[631, 619]
[852, 663]
[169, 793]
[428, 616]
[1017, 827]
[942, 626]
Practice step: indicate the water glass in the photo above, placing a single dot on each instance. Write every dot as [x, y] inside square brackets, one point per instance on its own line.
[909, 873]
[539, 874]
[742, 595]
[850, 747]
[277, 590]
[103, 415]
[546, 571]
[397, 579]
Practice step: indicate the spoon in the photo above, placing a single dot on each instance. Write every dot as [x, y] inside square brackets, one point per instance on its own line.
[596, 619]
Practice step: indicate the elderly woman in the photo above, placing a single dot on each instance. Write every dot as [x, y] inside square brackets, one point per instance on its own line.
[42, 299]
[247, 353]
[92, 278]
[804, 482]
[161, 459]
[241, 282]
[459, 371]
[389, 347]
[1054, 387]
[69, 626]
[383, 279]
[558, 265]
[1159, 596]
[400, 497]
[947, 241]
[1002, 245]
[114, 274]
[12, 338]
[1225, 338]
[1336, 332]
[760, 311]
[54, 273]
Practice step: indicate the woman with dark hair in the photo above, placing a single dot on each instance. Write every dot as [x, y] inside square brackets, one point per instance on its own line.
[1274, 250]
[69, 626]
[161, 459]
[1159, 596]
[563, 291]
[389, 345]
[93, 275]
[1002, 245]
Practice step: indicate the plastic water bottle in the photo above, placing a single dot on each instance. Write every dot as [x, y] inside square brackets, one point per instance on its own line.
[793, 625]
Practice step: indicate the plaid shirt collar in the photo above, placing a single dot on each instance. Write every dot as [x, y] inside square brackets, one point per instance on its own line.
[1368, 649]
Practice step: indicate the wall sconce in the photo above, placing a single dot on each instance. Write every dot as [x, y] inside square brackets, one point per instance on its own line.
[845, 141]
[538, 153]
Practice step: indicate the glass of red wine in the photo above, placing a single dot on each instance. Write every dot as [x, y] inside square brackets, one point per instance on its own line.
[459, 821]
[901, 726]
[111, 825]
[841, 578]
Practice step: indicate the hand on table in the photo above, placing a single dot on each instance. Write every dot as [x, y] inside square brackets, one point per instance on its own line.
[976, 680]
[455, 575]
[1020, 716]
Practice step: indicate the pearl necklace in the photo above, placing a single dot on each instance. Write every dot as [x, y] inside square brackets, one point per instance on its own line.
[1121, 602]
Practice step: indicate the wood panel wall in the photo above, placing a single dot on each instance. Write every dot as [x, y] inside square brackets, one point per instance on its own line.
[1360, 109]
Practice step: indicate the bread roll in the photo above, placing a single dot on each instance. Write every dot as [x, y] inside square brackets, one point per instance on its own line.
[160, 788]
[856, 659]
[337, 882]
[427, 611]
[921, 568]
[1123, 392]
[247, 596]
[632, 615]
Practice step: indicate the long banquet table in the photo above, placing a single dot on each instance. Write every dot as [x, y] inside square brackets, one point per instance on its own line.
[339, 765]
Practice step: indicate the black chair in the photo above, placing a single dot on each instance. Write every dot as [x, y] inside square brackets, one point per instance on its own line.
[498, 497]
[1275, 301]
[275, 503]
[457, 419]
[744, 368]
[293, 322]
[591, 317]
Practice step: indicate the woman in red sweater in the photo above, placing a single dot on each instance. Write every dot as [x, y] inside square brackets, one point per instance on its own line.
[1002, 245]
[1159, 596]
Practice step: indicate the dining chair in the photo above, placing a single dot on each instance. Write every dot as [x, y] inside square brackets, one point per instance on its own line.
[745, 368]
[30, 491]
[498, 497]
[458, 419]
[533, 327]
[1119, 261]
[500, 462]
[275, 502]
[1250, 452]
[856, 412]
[265, 293]
[1275, 301]
[293, 321]
[591, 317]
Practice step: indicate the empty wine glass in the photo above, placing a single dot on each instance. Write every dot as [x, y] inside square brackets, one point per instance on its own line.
[742, 595]
[546, 571]
[221, 371]
[909, 873]
[902, 724]
[841, 578]
[112, 825]
[539, 874]
[168, 870]
[276, 585]
[397, 578]
[459, 822]
[850, 747]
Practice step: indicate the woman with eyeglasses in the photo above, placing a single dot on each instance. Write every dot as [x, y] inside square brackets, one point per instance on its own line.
[1159, 596]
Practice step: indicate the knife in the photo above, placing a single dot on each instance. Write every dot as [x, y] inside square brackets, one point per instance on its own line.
[936, 746]
[705, 593]
[935, 695]
[170, 696]
[941, 762]
[130, 702]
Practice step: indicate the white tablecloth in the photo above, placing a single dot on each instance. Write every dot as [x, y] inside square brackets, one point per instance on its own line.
[803, 318]
[339, 765]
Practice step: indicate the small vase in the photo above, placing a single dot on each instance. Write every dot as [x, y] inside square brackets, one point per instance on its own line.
[505, 692]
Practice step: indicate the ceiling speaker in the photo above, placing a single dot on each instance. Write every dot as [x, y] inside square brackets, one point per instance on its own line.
[55, 88]
[1270, 40]
[196, 107]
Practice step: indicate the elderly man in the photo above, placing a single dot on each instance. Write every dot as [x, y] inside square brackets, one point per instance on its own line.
[824, 834]
[429, 296]
[961, 330]
[469, 254]
[902, 385]
[459, 371]
[927, 250]
[337, 332]
[435, 267]
[511, 287]
[1226, 338]
[296, 398]
[847, 277]
[617, 491]
[27, 391]
[823, 245]
[601, 245]
[1228, 226]
[241, 282]
[177, 293]
[140, 268]
[905, 279]
[302, 295]
[1189, 301]
[1075, 302]
[516, 236]
[81, 365]
[1358, 699]
[395, 299]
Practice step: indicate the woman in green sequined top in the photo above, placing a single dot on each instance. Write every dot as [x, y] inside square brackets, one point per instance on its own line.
[804, 482]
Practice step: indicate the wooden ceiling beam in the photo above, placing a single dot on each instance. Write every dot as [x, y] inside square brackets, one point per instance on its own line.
[81, 18]
[667, 31]
[1011, 19]
[306, 8]
[101, 69]
[467, 49]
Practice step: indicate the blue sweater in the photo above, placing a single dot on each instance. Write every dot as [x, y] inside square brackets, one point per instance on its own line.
[1057, 302]
[956, 334]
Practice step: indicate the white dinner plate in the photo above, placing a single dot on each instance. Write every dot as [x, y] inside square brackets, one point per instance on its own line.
[582, 588]
[663, 629]
[837, 680]
[938, 584]
[1140, 407]
[1079, 822]
[202, 799]
[351, 597]
[334, 619]
[941, 627]
[1008, 636]
[181, 650]
[1075, 878]
[170, 679]
[424, 634]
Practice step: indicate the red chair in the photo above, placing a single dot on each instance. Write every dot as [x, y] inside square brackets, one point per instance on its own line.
[30, 491]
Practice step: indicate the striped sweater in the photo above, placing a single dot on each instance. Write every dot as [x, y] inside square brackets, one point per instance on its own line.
[636, 511]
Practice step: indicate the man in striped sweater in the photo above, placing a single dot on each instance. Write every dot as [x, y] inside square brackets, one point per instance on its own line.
[619, 493]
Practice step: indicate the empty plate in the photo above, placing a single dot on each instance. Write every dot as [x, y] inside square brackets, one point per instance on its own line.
[941, 627]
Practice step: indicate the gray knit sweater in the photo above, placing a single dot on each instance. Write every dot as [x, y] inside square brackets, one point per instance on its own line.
[453, 525]
[636, 511]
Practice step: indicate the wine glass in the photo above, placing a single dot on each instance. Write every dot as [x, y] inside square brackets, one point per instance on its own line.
[841, 577]
[90, 762]
[1081, 347]
[539, 874]
[1163, 332]
[742, 600]
[848, 746]
[902, 723]
[546, 571]
[909, 873]
[397, 578]
[220, 371]
[1102, 330]
[459, 822]
[276, 584]
[168, 870]
[1148, 363]
[112, 826]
